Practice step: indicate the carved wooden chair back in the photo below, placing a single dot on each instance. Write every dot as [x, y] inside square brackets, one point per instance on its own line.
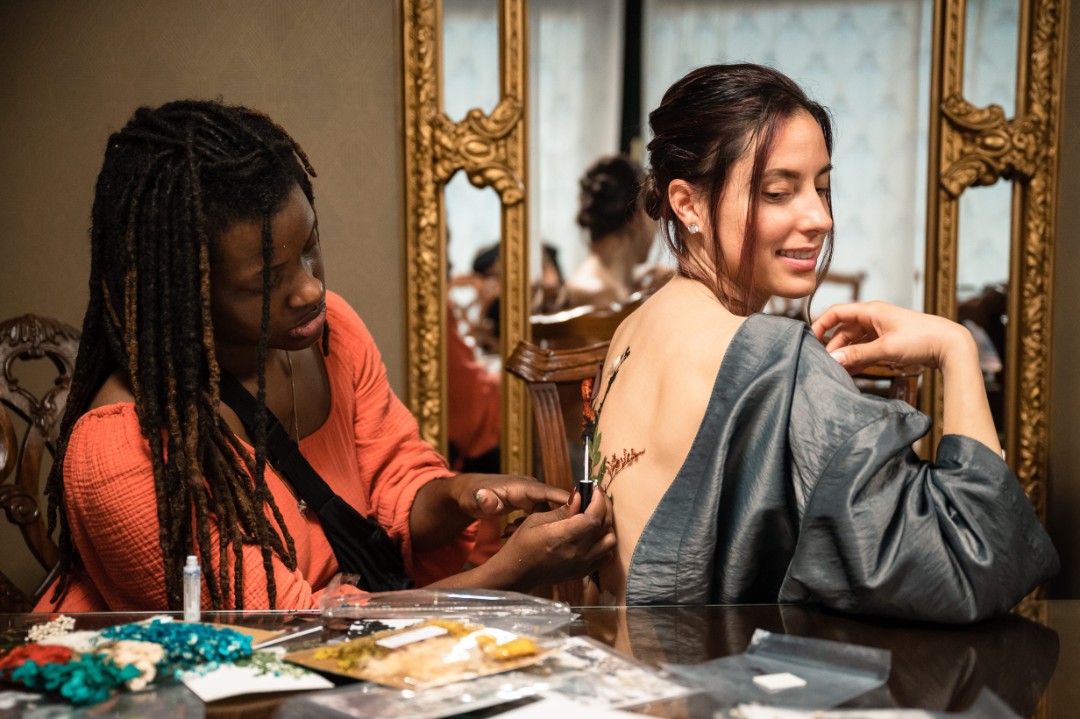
[894, 382]
[30, 338]
[545, 372]
[582, 326]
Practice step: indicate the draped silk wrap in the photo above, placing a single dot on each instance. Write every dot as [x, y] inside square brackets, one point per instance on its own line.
[798, 488]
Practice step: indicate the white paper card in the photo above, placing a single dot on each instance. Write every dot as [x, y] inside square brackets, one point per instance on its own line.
[269, 675]
[417, 635]
[779, 682]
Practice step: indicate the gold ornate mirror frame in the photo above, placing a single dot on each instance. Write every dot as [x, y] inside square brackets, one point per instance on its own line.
[971, 146]
[968, 147]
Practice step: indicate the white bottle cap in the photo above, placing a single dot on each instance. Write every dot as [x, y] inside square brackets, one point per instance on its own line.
[192, 561]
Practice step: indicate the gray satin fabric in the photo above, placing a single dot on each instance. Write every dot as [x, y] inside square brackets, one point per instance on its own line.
[798, 488]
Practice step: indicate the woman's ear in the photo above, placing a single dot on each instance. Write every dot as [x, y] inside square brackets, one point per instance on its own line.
[684, 202]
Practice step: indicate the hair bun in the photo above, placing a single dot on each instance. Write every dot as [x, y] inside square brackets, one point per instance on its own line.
[609, 195]
[651, 198]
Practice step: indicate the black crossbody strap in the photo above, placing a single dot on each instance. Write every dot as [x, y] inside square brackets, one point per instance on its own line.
[360, 543]
[282, 452]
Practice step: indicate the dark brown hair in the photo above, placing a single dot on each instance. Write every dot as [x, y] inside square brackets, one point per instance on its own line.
[173, 179]
[704, 124]
[609, 195]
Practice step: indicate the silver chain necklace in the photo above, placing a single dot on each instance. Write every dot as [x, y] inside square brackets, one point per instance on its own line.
[300, 503]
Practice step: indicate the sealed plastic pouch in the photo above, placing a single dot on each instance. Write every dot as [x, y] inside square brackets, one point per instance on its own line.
[789, 671]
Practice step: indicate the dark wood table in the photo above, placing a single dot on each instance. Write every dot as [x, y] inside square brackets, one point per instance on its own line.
[1030, 659]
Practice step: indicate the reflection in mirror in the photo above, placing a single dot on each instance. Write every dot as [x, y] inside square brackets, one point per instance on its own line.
[576, 76]
[991, 34]
[983, 241]
[868, 62]
[473, 346]
[470, 51]
[983, 280]
[470, 80]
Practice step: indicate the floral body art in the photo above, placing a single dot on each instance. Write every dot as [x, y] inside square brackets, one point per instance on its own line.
[603, 467]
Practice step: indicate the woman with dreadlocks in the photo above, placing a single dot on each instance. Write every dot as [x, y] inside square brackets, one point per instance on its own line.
[206, 270]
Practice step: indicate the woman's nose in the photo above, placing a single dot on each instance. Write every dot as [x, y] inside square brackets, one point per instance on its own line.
[308, 291]
[816, 218]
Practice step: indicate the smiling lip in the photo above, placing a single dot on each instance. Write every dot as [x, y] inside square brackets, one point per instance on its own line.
[800, 260]
[311, 327]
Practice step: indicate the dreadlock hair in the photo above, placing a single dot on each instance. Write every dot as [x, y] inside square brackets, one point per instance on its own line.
[704, 124]
[173, 180]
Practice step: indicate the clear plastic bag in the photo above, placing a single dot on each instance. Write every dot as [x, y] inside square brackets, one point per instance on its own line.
[510, 611]
[987, 706]
[789, 671]
[583, 671]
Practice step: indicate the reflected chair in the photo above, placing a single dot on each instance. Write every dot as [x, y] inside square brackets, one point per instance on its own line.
[582, 326]
[545, 372]
[29, 338]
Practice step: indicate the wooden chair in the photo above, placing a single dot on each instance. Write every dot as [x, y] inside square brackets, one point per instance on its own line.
[545, 371]
[582, 326]
[31, 338]
[894, 382]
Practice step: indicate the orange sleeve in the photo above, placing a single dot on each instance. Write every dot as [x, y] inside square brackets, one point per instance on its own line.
[112, 511]
[393, 459]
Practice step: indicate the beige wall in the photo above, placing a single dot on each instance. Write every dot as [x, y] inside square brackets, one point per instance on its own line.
[1064, 493]
[72, 72]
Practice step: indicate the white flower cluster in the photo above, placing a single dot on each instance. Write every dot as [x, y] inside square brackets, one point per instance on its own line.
[54, 628]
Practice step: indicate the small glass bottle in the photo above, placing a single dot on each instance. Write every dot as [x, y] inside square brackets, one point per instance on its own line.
[192, 589]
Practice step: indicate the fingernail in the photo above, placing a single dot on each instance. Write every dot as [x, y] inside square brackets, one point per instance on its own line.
[839, 355]
[476, 496]
[573, 491]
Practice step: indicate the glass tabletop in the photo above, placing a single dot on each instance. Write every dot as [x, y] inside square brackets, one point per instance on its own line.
[1029, 658]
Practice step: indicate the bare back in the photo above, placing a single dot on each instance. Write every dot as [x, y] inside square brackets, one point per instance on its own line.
[677, 342]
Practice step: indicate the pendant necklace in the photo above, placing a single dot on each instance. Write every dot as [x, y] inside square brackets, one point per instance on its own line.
[300, 503]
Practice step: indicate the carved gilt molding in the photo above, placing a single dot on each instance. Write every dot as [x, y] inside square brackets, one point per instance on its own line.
[990, 147]
[478, 145]
[971, 146]
[425, 259]
[1042, 47]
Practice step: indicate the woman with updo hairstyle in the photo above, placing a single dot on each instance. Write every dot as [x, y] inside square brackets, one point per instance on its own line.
[742, 463]
[620, 233]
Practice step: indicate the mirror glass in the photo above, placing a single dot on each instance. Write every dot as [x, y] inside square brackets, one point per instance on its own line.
[473, 225]
[470, 79]
[983, 239]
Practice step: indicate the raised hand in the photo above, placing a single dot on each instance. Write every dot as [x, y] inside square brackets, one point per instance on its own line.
[867, 333]
[550, 547]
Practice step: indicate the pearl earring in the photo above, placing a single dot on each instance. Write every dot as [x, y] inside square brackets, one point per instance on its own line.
[693, 227]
